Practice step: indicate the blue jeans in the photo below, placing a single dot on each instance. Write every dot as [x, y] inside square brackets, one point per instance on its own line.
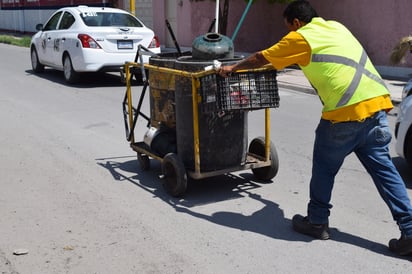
[369, 141]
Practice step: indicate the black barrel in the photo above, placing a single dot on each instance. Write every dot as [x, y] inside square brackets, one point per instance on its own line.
[222, 136]
[162, 103]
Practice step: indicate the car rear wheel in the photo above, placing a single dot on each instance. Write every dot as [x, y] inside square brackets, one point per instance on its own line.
[35, 63]
[70, 75]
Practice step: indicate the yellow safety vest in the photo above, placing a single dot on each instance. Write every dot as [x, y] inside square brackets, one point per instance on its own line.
[340, 70]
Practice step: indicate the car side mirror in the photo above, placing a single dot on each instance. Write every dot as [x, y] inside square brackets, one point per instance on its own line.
[39, 27]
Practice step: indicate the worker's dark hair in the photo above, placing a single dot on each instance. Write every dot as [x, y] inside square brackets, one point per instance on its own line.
[301, 10]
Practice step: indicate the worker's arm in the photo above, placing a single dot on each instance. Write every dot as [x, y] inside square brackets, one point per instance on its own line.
[256, 60]
[291, 49]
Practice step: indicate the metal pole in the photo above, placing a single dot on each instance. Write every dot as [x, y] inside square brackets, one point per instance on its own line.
[132, 7]
[217, 17]
[241, 19]
[267, 134]
[196, 142]
[129, 102]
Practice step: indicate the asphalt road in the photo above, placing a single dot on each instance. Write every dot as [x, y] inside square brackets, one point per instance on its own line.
[73, 195]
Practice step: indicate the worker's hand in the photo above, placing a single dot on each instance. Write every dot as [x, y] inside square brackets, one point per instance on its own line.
[225, 71]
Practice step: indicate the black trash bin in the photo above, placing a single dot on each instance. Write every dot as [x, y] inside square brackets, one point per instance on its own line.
[222, 136]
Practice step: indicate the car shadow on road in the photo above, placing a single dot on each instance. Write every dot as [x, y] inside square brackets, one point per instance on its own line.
[268, 220]
[87, 80]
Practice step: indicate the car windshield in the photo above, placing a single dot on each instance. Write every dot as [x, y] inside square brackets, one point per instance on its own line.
[105, 19]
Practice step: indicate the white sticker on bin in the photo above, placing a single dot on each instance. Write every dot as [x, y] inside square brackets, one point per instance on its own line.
[216, 65]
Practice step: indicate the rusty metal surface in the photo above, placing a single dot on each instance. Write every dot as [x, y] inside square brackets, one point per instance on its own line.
[162, 99]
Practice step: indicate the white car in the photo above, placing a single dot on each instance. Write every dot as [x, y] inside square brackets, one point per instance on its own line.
[89, 39]
[403, 128]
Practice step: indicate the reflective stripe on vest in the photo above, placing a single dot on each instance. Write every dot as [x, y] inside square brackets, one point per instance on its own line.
[360, 71]
[339, 69]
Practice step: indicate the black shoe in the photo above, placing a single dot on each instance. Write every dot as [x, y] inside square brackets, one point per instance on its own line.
[403, 246]
[302, 225]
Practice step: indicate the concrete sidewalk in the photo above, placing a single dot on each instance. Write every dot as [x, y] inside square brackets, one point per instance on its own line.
[394, 77]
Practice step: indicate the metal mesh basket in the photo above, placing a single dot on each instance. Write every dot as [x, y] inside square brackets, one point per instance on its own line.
[249, 90]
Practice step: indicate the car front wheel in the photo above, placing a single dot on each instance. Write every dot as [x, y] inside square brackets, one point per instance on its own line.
[70, 75]
[408, 147]
[35, 63]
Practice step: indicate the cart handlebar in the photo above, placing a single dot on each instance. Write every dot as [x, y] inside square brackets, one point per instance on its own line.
[184, 73]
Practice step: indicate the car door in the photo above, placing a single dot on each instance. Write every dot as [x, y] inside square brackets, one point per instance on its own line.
[47, 39]
[61, 38]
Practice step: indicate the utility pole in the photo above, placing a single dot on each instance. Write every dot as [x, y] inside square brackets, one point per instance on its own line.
[132, 7]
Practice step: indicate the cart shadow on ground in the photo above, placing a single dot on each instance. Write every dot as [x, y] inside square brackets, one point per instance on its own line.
[268, 221]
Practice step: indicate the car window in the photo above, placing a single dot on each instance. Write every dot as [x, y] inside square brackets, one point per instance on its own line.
[105, 19]
[67, 21]
[52, 23]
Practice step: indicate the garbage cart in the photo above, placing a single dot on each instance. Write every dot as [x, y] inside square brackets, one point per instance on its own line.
[198, 121]
[207, 131]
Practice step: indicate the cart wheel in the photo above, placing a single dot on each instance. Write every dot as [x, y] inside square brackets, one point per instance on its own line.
[174, 172]
[144, 161]
[257, 146]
